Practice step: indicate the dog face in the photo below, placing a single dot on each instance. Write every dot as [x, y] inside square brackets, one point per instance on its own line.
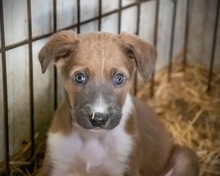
[97, 71]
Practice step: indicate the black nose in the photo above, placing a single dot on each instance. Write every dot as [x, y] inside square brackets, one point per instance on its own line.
[98, 119]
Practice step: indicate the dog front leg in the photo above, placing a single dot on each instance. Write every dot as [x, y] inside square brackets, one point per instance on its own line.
[45, 170]
[132, 173]
[183, 162]
[133, 170]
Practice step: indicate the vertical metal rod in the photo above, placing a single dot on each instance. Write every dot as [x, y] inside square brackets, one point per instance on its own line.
[55, 69]
[155, 43]
[213, 47]
[138, 18]
[119, 15]
[5, 91]
[186, 35]
[100, 16]
[54, 15]
[31, 76]
[137, 33]
[78, 16]
[172, 39]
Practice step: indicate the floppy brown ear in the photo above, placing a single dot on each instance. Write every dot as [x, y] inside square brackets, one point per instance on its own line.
[60, 46]
[144, 54]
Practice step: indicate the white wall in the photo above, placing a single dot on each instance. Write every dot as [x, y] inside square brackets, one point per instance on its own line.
[18, 96]
[15, 21]
[201, 32]
[199, 49]
[43, 90]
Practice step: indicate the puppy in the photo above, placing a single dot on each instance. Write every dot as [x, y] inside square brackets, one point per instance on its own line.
[100, 129]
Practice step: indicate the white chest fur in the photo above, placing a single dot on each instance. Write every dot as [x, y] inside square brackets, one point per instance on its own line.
[96, 153]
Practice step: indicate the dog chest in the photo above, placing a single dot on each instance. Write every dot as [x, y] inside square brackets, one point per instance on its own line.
[98, 154]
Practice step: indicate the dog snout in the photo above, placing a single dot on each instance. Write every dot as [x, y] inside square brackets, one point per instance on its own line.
[98, 119]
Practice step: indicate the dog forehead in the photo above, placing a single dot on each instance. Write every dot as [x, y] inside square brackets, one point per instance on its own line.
[96, 38]
[100, 49]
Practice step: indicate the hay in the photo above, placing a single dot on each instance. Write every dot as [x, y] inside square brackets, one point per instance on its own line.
[191, 115]
[23, 163]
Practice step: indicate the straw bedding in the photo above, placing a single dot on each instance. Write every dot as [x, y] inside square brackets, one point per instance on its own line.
[190, 113]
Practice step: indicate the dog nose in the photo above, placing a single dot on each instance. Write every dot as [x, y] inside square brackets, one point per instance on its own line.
[98, 119]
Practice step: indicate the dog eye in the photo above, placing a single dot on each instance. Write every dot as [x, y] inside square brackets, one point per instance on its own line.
[80, 78]
[118, 79]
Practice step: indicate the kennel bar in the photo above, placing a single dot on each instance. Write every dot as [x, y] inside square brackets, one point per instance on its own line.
[24, 42]
[155, 43]
[100, 14]
[97, 17]
[54, 15]
[186, 35]
[119, 15]
[30, 54]
[137, 33]
[78, 16]
[138, 18]
[5, 94]
[213, 47]
[15, 45]
[55, 69]
[172, 39]
[18, 44]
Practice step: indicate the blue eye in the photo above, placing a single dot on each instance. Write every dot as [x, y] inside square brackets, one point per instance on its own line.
[118, 79]
[80, 78]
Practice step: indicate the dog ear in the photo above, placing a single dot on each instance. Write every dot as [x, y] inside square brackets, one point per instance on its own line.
[60, 46]
[143, 53]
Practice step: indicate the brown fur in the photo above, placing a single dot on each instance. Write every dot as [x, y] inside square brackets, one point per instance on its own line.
[100, 55]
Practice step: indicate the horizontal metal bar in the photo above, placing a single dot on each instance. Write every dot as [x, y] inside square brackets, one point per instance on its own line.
[24, 42]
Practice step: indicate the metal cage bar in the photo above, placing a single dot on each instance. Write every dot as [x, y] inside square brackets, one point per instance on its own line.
[30, 54]
[78, 16]
[172, 39]
[137, 33]
[5, 91]
[100, 16]
[77, 25]
[186, 35]
[54, 15]
[55, 69]
[155, 43]
[213, 47]
[119, 15]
